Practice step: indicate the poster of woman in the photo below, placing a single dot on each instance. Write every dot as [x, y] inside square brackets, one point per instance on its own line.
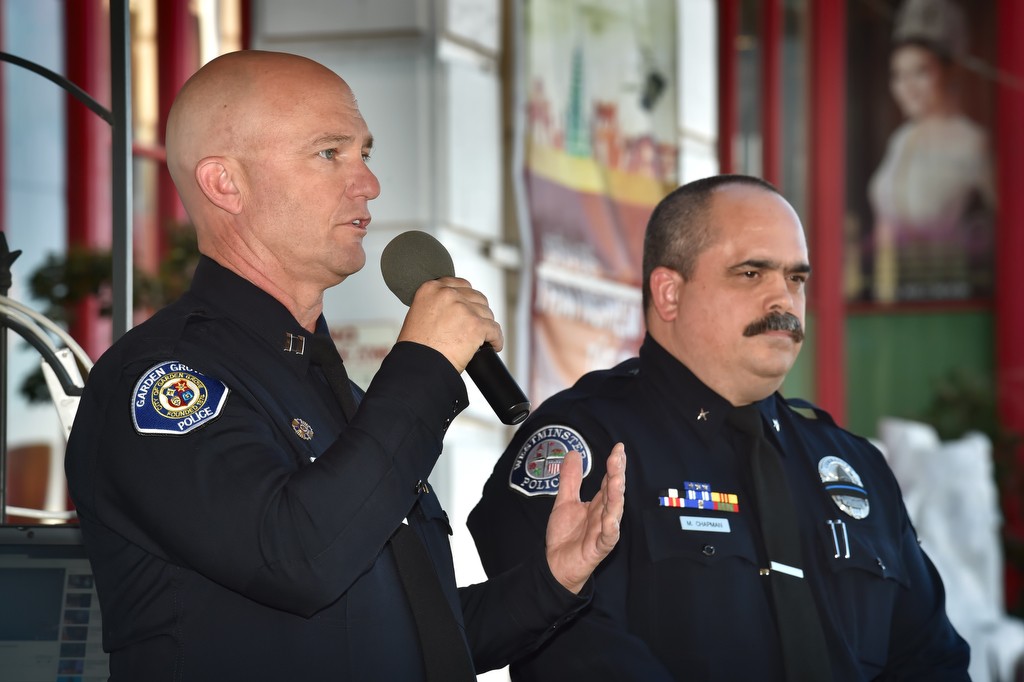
[931, 194]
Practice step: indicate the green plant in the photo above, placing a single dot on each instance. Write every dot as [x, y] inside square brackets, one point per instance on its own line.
[63, 280]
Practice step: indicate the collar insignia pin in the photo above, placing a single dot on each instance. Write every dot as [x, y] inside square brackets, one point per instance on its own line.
[703, 416]
[294, 344]
[775, 423]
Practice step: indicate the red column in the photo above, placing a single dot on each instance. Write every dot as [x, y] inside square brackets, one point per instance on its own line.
[87, 38]
[1009, 297]
[177, 58]
[728, 29]
[828, 200]
[246, 8]
[771, 91]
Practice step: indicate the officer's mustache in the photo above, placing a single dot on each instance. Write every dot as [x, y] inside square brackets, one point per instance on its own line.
[777, 322]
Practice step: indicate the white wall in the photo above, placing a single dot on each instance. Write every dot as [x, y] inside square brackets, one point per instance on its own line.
[425, 74]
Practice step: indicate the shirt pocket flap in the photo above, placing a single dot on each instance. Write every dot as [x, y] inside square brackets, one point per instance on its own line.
[706, 539]
[856, 546]
[432, 510]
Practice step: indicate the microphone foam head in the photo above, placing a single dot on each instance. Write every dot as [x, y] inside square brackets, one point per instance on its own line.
[412, 258]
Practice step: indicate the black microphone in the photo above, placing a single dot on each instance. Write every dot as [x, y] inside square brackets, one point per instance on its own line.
[414, 257]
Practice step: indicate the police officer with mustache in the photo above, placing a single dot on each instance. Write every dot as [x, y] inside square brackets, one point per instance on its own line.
[759, 539]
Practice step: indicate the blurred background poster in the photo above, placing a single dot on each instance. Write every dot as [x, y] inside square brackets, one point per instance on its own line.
[922, 189]
[599, 151]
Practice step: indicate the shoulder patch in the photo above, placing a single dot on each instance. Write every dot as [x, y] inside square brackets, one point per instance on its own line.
[172, 399]
[536, 467]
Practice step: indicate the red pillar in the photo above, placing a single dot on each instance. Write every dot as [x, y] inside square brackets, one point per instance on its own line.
[771, 91]
[87, 39]
[728, 29]
[246, 9]
[828, 201]
[1009, 298]
[178, 58]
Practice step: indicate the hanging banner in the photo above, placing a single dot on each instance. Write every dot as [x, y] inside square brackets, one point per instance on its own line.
[600, 151]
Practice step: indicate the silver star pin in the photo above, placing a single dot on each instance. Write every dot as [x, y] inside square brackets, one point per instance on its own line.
[703, 416]
[775, 423]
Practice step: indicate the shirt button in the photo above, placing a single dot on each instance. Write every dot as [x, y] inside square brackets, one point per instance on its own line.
[709, 550]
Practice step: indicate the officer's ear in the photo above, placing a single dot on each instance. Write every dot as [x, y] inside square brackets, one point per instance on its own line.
[217, 181]
[666, 284]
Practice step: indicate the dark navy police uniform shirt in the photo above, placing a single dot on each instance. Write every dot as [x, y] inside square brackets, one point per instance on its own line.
[681, 597]
[238, 526]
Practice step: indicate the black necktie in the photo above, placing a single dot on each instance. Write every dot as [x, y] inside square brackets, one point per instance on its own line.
[804, 652]
[445, 658]
[324, 353]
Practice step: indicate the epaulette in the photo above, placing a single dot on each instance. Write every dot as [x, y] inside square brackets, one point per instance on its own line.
[809, 410]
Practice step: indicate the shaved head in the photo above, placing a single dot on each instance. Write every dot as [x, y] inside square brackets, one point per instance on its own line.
[231, 104]
[270, 153]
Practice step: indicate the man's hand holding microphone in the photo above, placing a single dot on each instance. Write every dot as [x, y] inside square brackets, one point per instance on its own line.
[448, 315]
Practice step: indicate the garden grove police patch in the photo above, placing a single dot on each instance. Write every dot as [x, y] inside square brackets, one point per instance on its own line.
[536, 467]
[172, 398]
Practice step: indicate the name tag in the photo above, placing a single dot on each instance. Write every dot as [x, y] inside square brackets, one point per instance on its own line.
[703, 523]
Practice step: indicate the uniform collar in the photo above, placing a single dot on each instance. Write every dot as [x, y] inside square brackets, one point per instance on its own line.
[241, 301]
[694, 402]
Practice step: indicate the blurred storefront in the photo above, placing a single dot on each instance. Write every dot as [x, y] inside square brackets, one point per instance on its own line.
[534, 137]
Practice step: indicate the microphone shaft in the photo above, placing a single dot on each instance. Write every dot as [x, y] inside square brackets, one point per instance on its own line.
[498, 386]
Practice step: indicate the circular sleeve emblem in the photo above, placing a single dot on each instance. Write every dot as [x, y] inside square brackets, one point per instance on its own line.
[535, 470]
[172, 398]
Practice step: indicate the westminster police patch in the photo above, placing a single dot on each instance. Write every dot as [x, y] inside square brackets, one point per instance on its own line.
[535, 470]
[172, 398]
